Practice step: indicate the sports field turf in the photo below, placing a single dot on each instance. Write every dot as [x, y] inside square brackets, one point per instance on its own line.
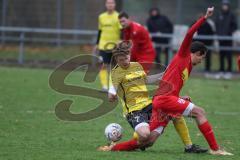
[30, 130]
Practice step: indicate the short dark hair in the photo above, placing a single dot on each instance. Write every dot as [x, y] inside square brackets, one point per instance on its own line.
[198, 46]
[123, 14]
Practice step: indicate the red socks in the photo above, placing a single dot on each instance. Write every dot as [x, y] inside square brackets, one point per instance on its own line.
[205, 128]
[207, 131]
[126, 146]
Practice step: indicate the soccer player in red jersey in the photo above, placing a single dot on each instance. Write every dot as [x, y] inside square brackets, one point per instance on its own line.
[167, 102]
[167, 99]
[142, 50]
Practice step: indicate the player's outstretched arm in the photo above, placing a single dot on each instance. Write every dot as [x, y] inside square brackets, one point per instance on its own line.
[183, 51]
[152, 79]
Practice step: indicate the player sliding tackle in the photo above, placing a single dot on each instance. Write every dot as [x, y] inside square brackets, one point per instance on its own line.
[167, 103]
[130, 79]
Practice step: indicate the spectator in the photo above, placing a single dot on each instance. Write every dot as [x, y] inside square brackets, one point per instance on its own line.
[225, 26]
[109, 33]
[208, 29]
[142, 50]
[158, 23]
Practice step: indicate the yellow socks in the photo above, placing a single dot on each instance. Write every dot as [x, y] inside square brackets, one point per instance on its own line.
[103, 75]
[181, 127]
[135, 136]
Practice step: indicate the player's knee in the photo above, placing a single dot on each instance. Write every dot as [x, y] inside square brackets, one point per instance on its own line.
[144, 135]
[200, 115]
[202, 112]
[198, 112]
[152, 139]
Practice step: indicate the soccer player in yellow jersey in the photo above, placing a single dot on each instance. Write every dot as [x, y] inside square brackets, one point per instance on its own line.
[129, 83]
[109, 33]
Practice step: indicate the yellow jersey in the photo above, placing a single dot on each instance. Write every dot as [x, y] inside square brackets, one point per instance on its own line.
[110, 29]
[131, 87]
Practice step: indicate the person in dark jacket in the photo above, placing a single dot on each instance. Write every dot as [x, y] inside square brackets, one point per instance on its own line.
[158, 23]
[225, 26]
[207, 29]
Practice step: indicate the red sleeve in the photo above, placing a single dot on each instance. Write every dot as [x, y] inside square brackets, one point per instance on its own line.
[185, 47]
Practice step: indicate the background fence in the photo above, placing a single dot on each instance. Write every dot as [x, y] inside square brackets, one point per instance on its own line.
[60, 29]
[82, 14]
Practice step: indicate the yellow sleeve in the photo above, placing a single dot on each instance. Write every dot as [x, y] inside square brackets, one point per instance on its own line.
[115, 79]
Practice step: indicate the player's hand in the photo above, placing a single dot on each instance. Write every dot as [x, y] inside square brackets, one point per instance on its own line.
[106, 148]
[112, 97]
[187, 98]
[209, 12]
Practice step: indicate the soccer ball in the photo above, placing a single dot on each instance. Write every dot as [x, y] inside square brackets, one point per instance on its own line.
[113, 132]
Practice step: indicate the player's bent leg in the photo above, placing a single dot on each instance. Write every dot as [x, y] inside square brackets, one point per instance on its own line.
[125, 146]
[145, 137]
[176, 107]
[199, 114]
[182, 130]
[143, 131]
[138, 120]
[129, 145]
[103, 76]
[153, 137]
[181, 127]
[205, 127]
[133, 144]
[104, 72]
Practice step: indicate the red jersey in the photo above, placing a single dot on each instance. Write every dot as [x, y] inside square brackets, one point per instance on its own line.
[142, 43]
[142, 50]
[178, 71]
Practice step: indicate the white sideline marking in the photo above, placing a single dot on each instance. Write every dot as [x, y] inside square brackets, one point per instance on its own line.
[29, 112]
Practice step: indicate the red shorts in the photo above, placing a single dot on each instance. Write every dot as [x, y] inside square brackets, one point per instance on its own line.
[158, 120]
[167, 107]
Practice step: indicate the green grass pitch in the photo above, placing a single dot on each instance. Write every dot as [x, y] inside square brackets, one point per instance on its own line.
[30, 130]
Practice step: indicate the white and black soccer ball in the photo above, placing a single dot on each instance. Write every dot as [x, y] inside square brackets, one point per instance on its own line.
[113, 132]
